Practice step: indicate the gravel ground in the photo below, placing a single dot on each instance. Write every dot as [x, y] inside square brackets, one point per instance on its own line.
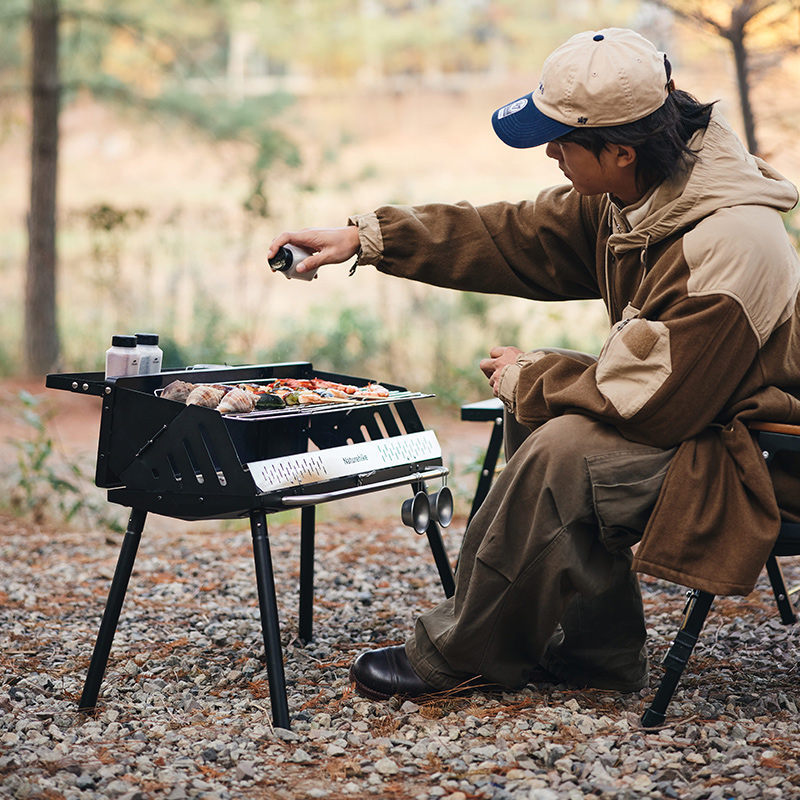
[184, 710]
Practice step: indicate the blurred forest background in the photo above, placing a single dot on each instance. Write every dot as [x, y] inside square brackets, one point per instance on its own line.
[190, 132]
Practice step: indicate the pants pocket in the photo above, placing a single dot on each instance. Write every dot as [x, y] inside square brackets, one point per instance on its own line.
[625, 487]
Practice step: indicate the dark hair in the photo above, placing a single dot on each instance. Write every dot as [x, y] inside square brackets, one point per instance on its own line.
[660, 139]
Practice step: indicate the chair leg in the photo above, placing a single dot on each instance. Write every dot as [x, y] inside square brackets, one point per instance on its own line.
[694, 616]
[781, 591]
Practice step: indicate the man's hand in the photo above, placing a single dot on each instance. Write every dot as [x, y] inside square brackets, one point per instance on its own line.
[499, 357]
[328, 245]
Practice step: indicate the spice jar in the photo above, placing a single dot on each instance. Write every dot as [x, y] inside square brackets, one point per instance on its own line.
[122, 358]
[150, 354]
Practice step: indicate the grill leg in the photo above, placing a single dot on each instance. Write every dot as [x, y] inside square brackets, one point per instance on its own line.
[694, 615]
[270, 626]
[306, 612]
[781, 591]
[440, 557]
[108, 625]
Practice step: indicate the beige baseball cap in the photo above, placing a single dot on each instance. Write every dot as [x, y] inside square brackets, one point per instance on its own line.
[595, 79]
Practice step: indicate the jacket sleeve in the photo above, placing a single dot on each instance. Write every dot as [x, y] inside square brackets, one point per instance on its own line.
[659, 382]
[542, 250]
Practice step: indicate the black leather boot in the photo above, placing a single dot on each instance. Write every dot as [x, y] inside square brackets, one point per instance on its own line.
[383, 673]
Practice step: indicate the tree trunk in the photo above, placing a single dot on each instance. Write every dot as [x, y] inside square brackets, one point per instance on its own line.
[736, 38]
[41, 333]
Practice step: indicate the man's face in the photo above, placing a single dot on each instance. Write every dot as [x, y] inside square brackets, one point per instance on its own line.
[587, 173]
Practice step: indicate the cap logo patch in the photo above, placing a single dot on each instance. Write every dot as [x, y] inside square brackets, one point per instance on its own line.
[512, 108]
[582, 120]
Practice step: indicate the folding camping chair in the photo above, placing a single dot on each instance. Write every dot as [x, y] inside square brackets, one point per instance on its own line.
[773, 438]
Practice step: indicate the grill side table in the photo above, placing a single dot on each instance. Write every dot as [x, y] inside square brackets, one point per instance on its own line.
[486, 411]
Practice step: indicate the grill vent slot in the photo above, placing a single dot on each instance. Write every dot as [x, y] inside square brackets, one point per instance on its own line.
[373, 429]
[176, 473]
[215, 462]
[193, 461]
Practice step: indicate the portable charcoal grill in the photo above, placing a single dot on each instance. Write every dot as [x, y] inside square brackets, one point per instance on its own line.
[193, 463]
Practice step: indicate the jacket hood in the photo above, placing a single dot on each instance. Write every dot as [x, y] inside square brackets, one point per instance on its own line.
[724, 175]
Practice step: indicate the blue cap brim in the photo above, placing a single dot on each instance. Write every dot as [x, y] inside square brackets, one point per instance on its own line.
[526, 126]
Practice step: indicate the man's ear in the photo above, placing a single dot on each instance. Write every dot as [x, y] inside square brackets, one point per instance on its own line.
[624, 154]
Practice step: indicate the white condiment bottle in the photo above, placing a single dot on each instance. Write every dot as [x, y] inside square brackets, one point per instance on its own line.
[122, 358]
[150, 354]
[286, 260]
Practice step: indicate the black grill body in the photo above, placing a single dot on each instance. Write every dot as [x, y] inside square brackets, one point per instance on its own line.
[190, 462]
[193, 463]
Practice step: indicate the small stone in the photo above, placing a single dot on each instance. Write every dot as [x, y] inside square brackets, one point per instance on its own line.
[84, 781]
[245, 769]
[641, 782]
[543, 794]
[300, 756]
[117, 788]
[385, 766]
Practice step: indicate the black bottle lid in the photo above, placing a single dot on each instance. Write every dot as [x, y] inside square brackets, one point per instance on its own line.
[119, 340]
[147, 338]
[282, 260]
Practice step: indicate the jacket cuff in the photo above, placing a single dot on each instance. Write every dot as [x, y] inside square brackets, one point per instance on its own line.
[507, 386]
[370, 237]
[509, 378]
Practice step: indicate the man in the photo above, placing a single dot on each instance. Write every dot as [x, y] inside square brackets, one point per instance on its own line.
[677, 228]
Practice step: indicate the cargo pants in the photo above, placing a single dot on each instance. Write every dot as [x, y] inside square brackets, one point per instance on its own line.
[544, 574]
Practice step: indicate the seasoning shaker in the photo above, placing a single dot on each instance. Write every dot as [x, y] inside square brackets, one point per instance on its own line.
[150, 354]
[122, 358]
[286, 260]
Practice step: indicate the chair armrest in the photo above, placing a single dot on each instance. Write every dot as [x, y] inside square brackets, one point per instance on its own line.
[775, 427]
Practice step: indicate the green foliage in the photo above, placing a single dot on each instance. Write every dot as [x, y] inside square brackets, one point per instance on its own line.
[456, 384]
[210, 343]
[476, 305]
[7, 361]
[245, 121]
[140, 55]
[356, 341]
[212, 333]
[39, 487]
[13, 16]
[352, 341]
